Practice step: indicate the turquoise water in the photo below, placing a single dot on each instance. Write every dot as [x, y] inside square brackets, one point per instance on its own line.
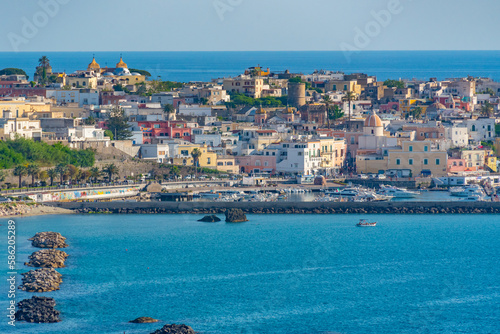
[274, 274]
[203, 66]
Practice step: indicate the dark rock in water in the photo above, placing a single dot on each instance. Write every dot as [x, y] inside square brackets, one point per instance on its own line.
[37, 309]
[235, 216]
[41, 280]
[143, 320]
[48, 240]
[210, 219]
[47, 258]
[175, 329]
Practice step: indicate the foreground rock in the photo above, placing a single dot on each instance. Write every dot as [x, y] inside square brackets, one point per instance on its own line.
[210, 219]
[37, 309]
[47, 258]
[175, 329]
[41, 280]
[143, 320]
[48, 240]
[235, 216]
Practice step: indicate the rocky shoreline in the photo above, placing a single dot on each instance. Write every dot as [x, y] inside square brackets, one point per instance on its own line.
[21, 209]
[292, 210]
[48, 240]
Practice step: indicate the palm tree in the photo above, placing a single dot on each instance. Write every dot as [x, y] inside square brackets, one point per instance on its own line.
[62, 170]
[110, 169]
[43, 64]
[52, 173]
[95, 173]
[349, 96]
[43, 175]
[196, 154]
[33, 170]
[335, 113]
[20, 171]
[487, 109]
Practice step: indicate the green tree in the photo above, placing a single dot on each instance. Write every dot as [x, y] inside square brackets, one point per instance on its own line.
[118, 124]
[52, 173]
[335, 113]
[394, 83]
[20, 171]
[196, 154]
[13, 71]
[487, 109]
[33, 170]
[95, 173]
[62, 170]
[109, 134]
[89, 120]
[168, 109]
[2, 175]
[111, 170]
[43, 65]
[43, 175]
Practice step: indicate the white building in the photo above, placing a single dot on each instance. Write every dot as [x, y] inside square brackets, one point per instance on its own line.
[23, 127]
[156, 152]
[458, 135]
[84, 97]
[299, 158]
[194, 110]
[481, 129]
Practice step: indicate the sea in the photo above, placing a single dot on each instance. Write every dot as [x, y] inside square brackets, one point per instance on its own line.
[280, 274]
[204, 66]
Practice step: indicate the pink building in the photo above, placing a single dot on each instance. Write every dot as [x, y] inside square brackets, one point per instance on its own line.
[256, 163]
[389, 107]
[455, 165]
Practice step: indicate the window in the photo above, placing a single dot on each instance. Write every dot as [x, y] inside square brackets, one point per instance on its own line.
[410, 148]
[410, 161]
[426, 148]
[426, 161]
[398, 161]
[438, 161]
[266, 163]
[208, 161]
[220, 164]
[184, 152]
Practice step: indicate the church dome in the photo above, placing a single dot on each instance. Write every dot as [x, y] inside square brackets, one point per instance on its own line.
[121, 64]
[373, 121]
[93, 66]
[121, 71]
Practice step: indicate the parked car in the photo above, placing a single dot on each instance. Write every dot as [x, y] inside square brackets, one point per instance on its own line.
[381, 177]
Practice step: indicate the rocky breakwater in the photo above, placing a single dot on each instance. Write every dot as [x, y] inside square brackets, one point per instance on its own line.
[48, 240]
[143, 320]
[47, 258]
[210, 219]
[41, 280]
[38, 310]
[235, 216]
[175, 329]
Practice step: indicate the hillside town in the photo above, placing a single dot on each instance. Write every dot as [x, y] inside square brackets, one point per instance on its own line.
[262, 123]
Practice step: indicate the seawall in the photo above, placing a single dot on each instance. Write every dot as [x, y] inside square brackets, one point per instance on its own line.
[283, 207]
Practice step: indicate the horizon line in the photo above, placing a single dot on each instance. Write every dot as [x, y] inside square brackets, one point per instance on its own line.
[359, 51]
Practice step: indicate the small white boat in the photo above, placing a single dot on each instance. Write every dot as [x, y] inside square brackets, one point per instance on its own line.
[365, 223]
[397, 192]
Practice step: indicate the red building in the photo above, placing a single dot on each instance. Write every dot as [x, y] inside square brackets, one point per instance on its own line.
[20, 89]
[172, 129]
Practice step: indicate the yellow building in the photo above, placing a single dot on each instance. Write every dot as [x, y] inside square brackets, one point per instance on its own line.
[343, 86]
[227, 163]
[414, 158]
[21, 108]
[207, 159]
[332, 153]
[491, 162]
[81, 81]
[407, 105]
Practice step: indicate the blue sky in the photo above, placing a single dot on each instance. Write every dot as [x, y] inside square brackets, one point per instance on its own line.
[239, 25]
